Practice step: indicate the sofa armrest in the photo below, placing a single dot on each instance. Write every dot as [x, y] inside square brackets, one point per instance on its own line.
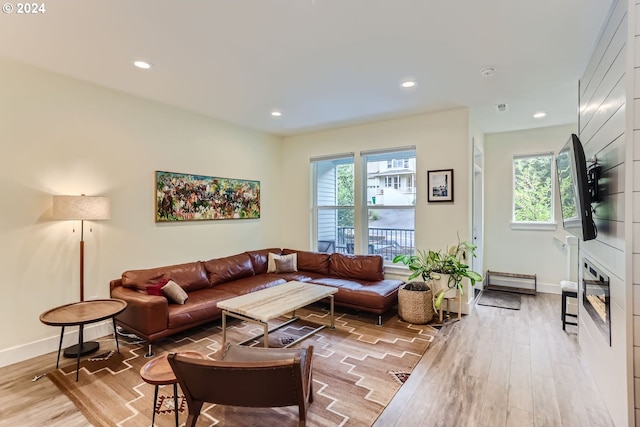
[145, 313]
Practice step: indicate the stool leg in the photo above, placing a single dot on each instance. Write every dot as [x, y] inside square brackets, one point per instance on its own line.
[564, 311]
[175, 401]
[155, 399]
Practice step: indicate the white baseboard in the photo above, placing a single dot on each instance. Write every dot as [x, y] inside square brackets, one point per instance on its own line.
[23, 352]
[549, 288]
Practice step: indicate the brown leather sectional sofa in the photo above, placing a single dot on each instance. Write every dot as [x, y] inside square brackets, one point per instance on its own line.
[359, 279]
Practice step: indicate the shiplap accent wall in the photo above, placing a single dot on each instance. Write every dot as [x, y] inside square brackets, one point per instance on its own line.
[633, 177]
[602, 125]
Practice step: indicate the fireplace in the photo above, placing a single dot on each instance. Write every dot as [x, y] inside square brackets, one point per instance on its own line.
[595, 297]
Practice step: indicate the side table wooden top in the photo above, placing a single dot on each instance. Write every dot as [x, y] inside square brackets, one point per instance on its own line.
[158, 371]
[79, 313]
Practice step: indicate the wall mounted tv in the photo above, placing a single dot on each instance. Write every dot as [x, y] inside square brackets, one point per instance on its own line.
[573, 184]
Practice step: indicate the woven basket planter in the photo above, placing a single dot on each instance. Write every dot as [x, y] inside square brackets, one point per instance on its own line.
[415, 306]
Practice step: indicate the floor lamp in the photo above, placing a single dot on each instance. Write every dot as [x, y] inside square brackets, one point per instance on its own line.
[81, 208]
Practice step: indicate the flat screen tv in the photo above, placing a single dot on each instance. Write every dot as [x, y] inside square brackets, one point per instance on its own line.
[573, 184]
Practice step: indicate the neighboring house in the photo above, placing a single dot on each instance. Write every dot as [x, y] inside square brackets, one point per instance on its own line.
[391, 182]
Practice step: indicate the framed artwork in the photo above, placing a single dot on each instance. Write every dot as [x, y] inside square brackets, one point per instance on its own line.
[440, 185]
[185, 197]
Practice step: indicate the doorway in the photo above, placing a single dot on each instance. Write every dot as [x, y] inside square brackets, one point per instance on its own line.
[477, 216]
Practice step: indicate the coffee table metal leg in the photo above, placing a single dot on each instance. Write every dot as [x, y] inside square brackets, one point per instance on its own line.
[60, 347]
[331, 304]
[224, 327]
[266, 335]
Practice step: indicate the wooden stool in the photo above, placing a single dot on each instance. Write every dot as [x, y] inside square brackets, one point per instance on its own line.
[158, 372]
[569, 290]
[446, 300]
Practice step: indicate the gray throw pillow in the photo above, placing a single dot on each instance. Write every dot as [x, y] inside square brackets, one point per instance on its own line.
[174, 292]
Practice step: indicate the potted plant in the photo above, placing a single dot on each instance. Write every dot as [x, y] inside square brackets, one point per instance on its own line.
[415, 299]
[448, 267]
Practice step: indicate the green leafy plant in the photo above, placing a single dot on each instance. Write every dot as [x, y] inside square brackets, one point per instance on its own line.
[429, 265]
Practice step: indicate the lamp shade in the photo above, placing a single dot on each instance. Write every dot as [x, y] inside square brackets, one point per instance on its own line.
[81, 207]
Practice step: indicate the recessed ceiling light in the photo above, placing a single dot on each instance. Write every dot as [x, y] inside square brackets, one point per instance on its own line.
[539, 115]
[142, 64]
[488, 72]
[276, 113]
[408, 83]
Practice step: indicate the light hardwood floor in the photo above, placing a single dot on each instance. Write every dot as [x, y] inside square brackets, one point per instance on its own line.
[496, 367]
[500, 367]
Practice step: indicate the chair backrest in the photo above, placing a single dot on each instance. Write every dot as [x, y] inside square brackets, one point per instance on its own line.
[260, 383]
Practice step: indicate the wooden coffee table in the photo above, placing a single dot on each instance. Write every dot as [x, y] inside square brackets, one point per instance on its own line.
[80, 314]
[267, 304]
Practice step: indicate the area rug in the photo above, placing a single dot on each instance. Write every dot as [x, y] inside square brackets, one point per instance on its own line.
[358, 368]
[500, 299]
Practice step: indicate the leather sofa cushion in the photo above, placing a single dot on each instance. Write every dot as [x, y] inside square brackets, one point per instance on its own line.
[363, 267]
[190, 276]
[375, 295]
[300, 276]
[251, 284]
[260, 258]
[221, 270]
[201, 306]
[314, 262]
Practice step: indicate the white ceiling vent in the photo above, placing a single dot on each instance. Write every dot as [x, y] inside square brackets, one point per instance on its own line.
[501, 107]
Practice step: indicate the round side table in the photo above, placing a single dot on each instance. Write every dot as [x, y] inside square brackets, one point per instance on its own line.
[158, 372]
[80, 314]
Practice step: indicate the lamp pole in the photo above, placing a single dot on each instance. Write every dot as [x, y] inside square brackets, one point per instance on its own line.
[81, 208]
[81, 260]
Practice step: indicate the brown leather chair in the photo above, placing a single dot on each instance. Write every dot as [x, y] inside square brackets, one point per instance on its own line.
[247, 376]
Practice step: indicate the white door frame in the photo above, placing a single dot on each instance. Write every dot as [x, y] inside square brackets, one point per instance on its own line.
[477, 215]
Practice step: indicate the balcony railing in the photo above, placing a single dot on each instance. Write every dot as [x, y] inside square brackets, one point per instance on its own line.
[387, 242]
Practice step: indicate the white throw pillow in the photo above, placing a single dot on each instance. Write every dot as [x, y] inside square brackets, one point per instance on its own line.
[290, 261]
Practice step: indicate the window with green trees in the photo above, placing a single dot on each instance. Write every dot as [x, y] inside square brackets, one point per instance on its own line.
[385, 209]
[533, 188]
[333, 202]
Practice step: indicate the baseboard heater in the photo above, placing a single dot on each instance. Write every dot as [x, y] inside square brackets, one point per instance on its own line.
[511, 282]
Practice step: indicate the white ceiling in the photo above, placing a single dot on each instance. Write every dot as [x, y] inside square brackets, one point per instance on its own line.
[323, 63]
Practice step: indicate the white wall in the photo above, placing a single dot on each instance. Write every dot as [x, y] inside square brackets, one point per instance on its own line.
[603, 122]
[510, 250]
[442, 142]
[62, 136]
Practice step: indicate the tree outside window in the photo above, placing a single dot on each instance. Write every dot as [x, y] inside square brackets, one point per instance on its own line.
[533, 188]
[333, 210]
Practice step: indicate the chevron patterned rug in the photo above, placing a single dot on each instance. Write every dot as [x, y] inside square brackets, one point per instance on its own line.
[358, 368]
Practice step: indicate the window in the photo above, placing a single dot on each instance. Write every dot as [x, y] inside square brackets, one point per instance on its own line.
[392, 182]
[389, 226]
[386, 216]
[410, 186]
[533, 189]
[397, 163]
[333, 203]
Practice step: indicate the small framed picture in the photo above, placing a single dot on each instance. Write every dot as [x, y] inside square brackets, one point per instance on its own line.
[440, 185]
